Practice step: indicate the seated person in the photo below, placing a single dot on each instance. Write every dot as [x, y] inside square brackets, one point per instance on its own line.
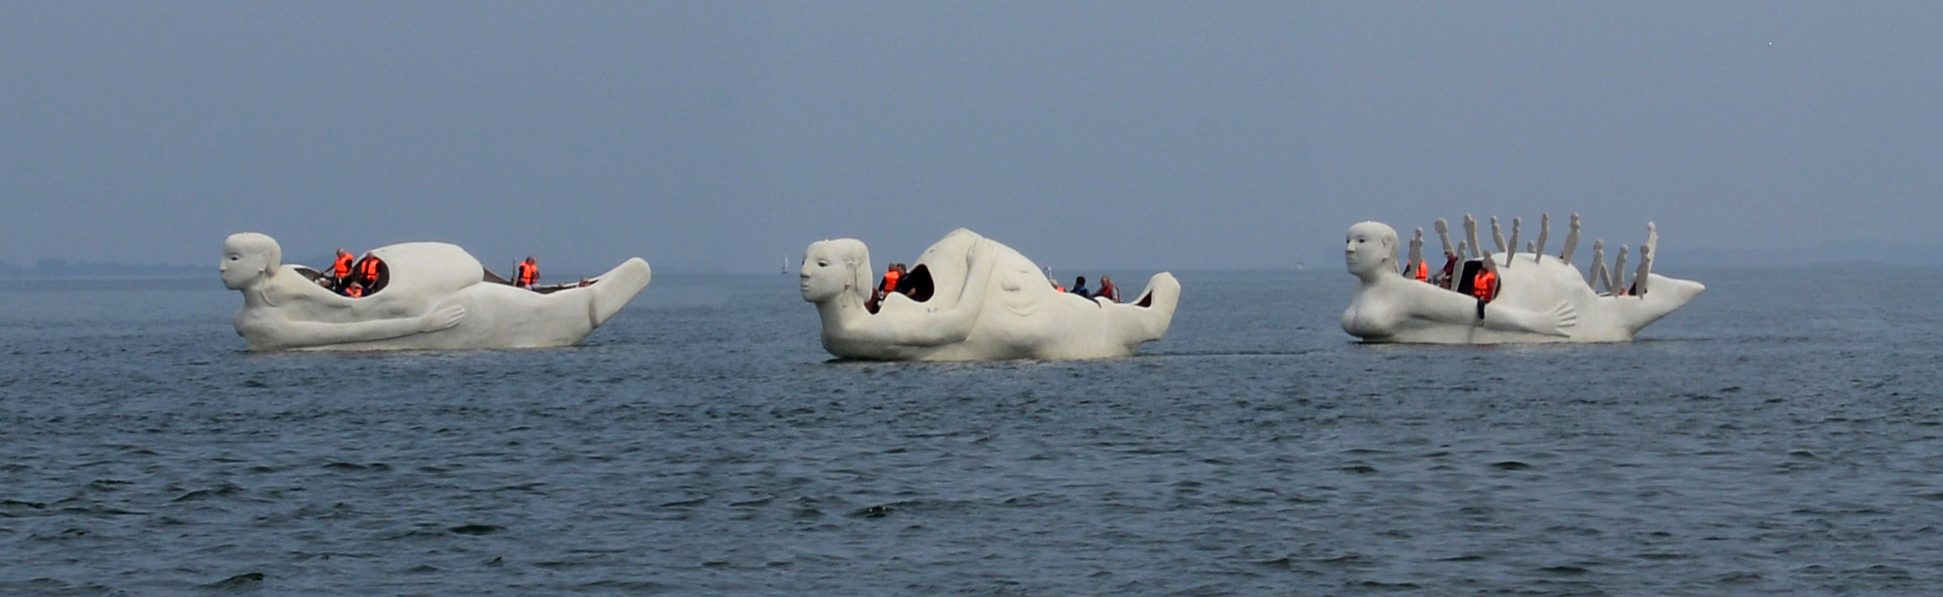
[1079, 287]
[1108, 290]
[527, 273]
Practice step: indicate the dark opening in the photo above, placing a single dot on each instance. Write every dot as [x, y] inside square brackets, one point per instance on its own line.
[917, 284]
[1470, 273]
[310, 274]
[1146, 300]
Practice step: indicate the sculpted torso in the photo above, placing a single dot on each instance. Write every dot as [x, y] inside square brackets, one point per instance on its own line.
[436, 298]
[1541, 299]
[981, 300]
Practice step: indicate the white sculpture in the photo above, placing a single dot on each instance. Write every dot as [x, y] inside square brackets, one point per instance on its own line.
[1543, 299]
[436, 296]
[973, 299]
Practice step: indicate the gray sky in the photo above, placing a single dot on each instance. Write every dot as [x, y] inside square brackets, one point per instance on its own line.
[1144, 135]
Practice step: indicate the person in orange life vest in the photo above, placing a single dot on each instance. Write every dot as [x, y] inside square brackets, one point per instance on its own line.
[527, 273]
[1485, 286]
[1414, 268]
[366, 272]
[355, 290]
[891, 275]
[341, 269]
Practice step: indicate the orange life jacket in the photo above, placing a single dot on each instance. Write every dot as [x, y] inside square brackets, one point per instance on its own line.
[1423, 275]
[528, 273]
[890, 281]
[368, 269]
[354, 291]
[1485, 285]
[342, 268]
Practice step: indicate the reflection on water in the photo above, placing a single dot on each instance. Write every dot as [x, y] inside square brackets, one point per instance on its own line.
[1779, 434]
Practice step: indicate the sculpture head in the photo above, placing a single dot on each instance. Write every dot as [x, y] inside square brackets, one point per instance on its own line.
[248, 257]
[834, 268]
[1370, 247]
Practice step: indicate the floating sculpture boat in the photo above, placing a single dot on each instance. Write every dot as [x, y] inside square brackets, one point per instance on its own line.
[972, 298]
[431, 296]
[1540, 298]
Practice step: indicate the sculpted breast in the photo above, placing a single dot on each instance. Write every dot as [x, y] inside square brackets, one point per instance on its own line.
[1370, 319]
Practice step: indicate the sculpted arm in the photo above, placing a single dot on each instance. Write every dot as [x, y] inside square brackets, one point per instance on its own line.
[287, 333]
[954, 324]
[1450, 308]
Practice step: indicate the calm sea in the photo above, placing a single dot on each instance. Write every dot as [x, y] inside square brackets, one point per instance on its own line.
[1783, 434]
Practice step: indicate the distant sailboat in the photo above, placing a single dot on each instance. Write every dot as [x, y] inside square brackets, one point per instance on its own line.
[785, 264]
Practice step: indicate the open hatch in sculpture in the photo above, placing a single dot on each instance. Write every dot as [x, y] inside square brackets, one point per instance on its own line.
[971, 298]
[421, 295]
[1503, 297]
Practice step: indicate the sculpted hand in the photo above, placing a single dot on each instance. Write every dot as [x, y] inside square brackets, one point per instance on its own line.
[1561, 318]
[441, 318]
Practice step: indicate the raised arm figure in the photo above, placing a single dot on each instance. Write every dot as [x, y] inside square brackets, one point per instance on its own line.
[1646, 253]
[1415, 269]
[1571, 241]
[1619, 272]
[1645, 267]
[1444, 236]
[1544, 230]
[1497, 235]
[1512, 249]
[1470, 236]
[1596, 274]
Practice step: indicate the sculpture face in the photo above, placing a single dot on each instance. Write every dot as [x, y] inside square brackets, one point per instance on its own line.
[247, 257]
[1369, 246]
[830, 268]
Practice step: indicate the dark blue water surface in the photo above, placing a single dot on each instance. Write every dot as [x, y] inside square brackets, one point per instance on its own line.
[1782, 434]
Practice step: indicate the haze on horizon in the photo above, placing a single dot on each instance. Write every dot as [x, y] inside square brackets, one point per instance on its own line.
[1089, 135]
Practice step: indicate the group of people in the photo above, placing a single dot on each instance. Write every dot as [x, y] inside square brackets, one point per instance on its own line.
[1484, 284]
[1107, 289]
[353, 279]
[896, 272]
[356, 278]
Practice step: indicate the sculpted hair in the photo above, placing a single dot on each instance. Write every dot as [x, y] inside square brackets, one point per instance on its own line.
[855, 258]
[261, 243]
[1384, 234]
